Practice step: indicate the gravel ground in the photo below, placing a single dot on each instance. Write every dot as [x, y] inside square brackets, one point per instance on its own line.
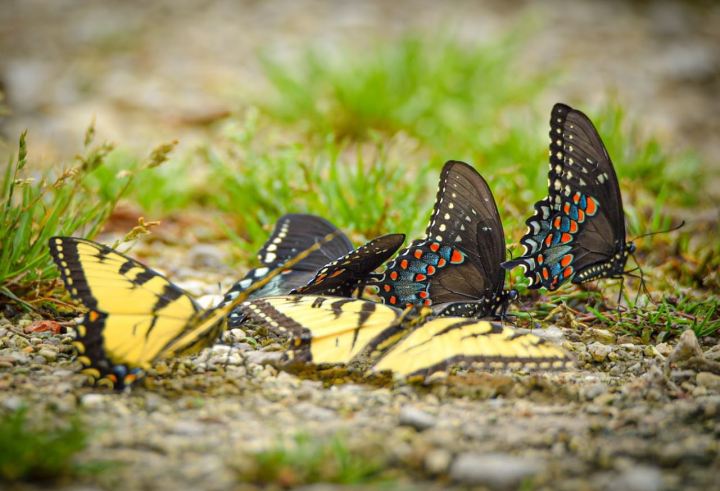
[631, 416]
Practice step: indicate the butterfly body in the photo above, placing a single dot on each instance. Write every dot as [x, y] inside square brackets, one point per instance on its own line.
[455, 269]
[577, 233]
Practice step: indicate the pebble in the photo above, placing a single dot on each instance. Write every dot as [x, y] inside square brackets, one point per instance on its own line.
[437, 461]
[495, 470]
[603, 335]
[687, 347]
[48, 354]
[639, 478]
[599, 351]
[416, 418]
[591, 392]
[708, 380]
[92, 400]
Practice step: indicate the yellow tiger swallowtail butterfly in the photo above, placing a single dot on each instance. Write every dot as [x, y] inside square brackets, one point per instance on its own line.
[333, 330]
[136, 315]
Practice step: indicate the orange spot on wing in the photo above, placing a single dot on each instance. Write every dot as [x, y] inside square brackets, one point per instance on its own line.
[434, 247]
[545, 273]
[456, 257]
[93, 316]
[548, 240]
[431, 269]
[566, 208]
[591, 207]
[393, 300]
[337, 273]
[566, 260]
[576, 198]
[441, 263]
[567, 272]
[420, 277]
[393, 275]
[387, 288]
[556, 222]
[427, 302]
[423, 294]
[573, 226]
[540, 259]
[565, 238]
[581, 216]
[404, 264]
[418, 253]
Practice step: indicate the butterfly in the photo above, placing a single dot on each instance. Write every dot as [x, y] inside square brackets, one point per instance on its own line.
[577, 232]
[344, 275]
[456, 267]
[136, 315]
[330, 330]
[293, 233]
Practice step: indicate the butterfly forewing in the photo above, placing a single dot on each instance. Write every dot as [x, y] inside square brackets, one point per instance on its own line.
[342, 276]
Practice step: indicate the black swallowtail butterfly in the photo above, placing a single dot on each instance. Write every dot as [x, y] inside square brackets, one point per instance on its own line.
[293, 233]
[456, 267]
[577, 232]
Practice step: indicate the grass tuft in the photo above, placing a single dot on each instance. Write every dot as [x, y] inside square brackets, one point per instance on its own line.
[30, 452]
[308, 461]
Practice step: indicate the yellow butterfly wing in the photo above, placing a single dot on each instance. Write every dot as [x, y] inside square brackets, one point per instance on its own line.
[446, 341]
[328, 330]
[133, 311]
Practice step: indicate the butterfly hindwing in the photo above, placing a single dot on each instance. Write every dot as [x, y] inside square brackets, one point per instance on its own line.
[446, 342]
[458, 261]
[342, 276]
[578, 231]
[327, 330]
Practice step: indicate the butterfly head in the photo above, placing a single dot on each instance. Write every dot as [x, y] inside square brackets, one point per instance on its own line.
[630, 248]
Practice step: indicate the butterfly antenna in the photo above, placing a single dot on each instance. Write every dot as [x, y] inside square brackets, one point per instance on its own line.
[641, 277]
[671, 229]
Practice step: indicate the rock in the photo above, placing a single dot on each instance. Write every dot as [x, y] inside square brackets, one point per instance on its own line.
[494, 470]
[92, 400]
[687, 347]
[48, 354]
[664, 349]
[13, 403]
[263, 357]
[591, 392]
[639, 478]
[416, 418]
[708, 380]
[599, 351]
[437, 461]
[603, 335]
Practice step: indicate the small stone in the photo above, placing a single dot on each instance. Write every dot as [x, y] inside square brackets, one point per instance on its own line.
[652, 352]
[206, 256]
[603, 335]
[437, 461]
[263, 357]
[593, 391]
[92, 400]
[687, 347]
[493, 470]
[416, 418]
[639, 478]
[664, 349]
[708, 380]
[599, 351]
[48, 354]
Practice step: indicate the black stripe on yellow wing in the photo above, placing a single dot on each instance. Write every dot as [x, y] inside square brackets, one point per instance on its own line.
[451, 341]
[133, 311]
[136, 315]
[329, 330]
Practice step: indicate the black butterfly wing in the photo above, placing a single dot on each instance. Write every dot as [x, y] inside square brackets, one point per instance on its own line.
[294, 233]
[580, 223]
[459, 260]
[342, 276]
